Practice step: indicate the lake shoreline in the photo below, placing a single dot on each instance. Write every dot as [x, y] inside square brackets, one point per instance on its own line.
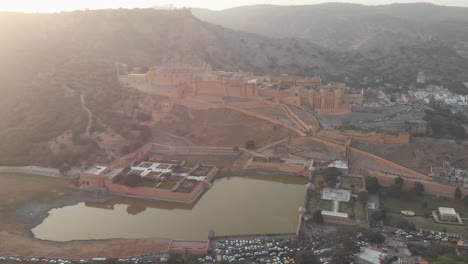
[172, 218]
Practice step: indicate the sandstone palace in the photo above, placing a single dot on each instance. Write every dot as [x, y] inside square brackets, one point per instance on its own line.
[202, 82]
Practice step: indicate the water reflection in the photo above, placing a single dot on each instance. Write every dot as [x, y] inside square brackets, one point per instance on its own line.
[235, 205]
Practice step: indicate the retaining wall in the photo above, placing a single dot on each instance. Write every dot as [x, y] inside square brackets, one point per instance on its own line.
[282, 167]
[393, 165]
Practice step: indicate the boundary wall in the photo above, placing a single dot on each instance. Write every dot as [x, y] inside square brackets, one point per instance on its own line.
[282, 167]
[189, 247]
[401, 138]
[391, 164]
[430, 187]
[32, 170]
[340, 221]
[207, 106]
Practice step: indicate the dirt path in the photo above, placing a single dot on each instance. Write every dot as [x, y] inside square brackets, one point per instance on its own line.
[90, 116]
[113, 248]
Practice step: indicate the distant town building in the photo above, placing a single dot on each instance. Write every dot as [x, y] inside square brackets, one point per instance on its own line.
[462, 248]
[447, 214]
[416, 127]
[421, 78]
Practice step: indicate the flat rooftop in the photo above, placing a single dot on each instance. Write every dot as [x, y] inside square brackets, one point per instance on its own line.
[295, 161]
[370, 255]
[336, 195]
[96, 169]
[335, 214]
[111, 174]
[447, 211]
[340, 164]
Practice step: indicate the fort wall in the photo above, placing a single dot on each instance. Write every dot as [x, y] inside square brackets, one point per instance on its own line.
[189, 247]
[430, 187]
[153, 193]
[401, 138]
[342, 221]
[281, 167]
[404, 170]
[100, 182]
[210, 88]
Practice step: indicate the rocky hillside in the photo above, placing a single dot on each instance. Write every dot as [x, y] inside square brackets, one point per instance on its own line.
[49, 60]
[351, 26]
[389, 42]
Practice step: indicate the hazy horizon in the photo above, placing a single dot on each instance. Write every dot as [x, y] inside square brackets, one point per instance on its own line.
[45, 6]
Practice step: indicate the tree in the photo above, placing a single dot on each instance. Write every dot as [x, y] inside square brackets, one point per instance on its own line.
[419, 188]
[372, 185]
[375, 237]
[400, 182]
[317, 217]
[379, 215]
[250, 144]
[174, 258]
[362, 196]
[132, 180]
[465, 200]
[306, 257]
[458, 194]
[402, 223]
[64, 168]
[330, 176]
[424, 205]
[445, 259]
[411, 226]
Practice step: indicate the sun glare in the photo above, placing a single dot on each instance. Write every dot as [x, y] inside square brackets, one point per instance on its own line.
[46, 6]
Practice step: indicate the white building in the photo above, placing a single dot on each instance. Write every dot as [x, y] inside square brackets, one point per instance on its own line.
[421, 78]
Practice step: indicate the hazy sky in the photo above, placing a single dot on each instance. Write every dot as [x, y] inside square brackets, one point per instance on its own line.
[62, 5]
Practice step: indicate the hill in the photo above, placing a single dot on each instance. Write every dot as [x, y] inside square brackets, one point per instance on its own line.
[351, 26]
[49, 60]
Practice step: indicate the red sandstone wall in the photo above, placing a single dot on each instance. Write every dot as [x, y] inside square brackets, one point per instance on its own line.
[354, 98]
[264, 117]
[393, 165]
[287, 168]
[128, 159]
[401, 138]
[338, 138]
[334, 111]
[330, 143]
[291, 100]
[338, 221]
[306, 126]
[154, 193]
[91, 181]
[210, 88]
[189, 247]
[432, 188]
[235, 91]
